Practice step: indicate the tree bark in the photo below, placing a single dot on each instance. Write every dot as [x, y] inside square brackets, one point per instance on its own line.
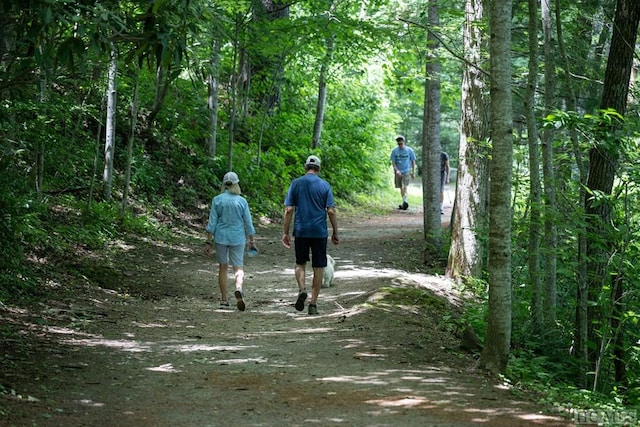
[431, 146]
[468, 223]
[40, 145]
[130, 142]
[322, 93]
[550, 205]
[266, 69]
[162, 86]
[495, 353]
[535, 188]
[110, 141]
[212, 103]
[603, 161]
[580, 329]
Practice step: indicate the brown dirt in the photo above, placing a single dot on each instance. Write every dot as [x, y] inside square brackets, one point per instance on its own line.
[144, 343]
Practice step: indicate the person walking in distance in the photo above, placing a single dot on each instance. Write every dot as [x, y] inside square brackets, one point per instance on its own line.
[403, 160]
[229, 224]
[444, 177]
[310, 200]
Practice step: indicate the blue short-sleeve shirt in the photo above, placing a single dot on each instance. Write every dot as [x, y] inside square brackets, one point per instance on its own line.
[310, 195]
[403, 157]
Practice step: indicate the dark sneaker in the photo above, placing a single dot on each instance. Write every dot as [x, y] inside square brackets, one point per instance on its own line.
[224, 304]
[302, 296]
[239, 301]
[313, 310]
[405, 206]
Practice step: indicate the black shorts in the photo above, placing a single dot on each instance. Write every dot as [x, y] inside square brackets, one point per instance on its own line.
[318, 247]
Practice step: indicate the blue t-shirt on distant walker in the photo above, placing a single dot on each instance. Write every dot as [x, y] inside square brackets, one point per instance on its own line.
[403, 157]
[311, 196]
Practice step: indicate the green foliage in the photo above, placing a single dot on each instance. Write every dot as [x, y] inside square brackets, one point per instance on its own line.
[551, 383]
[476, 304]
[414, 297]
[52, 100]
[526, 367]
[540, 355]
[18, 212]
[57, 229]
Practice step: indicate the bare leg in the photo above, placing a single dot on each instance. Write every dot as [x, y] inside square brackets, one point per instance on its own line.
[238, 274]
[302, 293]
[222, 281]
[317, 284]
[300, 276]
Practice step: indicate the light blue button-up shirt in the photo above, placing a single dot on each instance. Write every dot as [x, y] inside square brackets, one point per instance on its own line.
[230, 219]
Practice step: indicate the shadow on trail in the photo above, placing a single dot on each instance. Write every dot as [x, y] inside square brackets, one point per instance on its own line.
[157, 350]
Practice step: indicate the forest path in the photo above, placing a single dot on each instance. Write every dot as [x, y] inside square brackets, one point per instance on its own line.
[150, 346]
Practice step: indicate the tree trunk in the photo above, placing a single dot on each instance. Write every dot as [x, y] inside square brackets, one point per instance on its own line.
[40, 146]
[322, 93]
[162, 86]
[234, 83]
[495, 353]
[266, 69]
[580, 332]
[130, 142]
[550, 207]
[212, 103]
[468, 225]
[603, 163]
[96, 154]
[110, 138]
[431, 146]
[535, 189]
[616, 328]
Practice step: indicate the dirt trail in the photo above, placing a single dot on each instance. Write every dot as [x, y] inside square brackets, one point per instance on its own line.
[151, 347]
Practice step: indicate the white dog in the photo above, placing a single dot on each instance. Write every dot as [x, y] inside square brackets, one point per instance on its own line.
[327, 279]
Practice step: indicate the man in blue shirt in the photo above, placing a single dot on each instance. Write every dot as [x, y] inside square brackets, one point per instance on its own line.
[311, 200]
[403, 160]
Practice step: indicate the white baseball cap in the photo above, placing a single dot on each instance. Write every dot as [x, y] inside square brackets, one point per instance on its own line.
[230, 178]
[312, 161]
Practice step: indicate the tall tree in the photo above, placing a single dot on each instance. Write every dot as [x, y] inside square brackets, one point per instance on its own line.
[603, 161]
[580, 329]
[468, 224]
[237, 75]
[550, 241]
[535, 188]
[431, 145]
[266, 65]
[40, 145]
[495, 353]
[322, 91]
[212, 98]
[132, 136]
[110, 127]
[167, 30]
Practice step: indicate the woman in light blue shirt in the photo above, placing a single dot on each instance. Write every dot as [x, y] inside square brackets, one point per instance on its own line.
[229, 225]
